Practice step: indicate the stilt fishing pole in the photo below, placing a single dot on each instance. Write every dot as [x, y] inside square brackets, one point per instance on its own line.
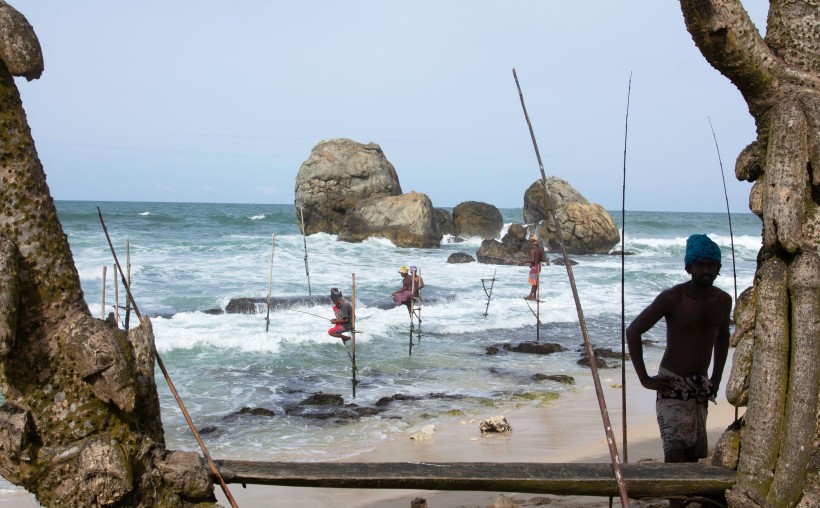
[270, 281]
[161, 365]
[102, 312]
[128, 283]
[728, 215]
[304, 240]
[613, 448]
[353, 381]
[488, 293]
[623, 278]
[538, 303]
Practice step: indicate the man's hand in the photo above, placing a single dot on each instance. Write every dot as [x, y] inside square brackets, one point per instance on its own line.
[659, 383]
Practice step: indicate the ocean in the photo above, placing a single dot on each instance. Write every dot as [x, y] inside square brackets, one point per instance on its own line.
[187, 258]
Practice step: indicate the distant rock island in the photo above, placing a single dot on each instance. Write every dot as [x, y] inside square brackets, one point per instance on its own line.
[351, 190]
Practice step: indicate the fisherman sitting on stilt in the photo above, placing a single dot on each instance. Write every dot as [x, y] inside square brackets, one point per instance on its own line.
[343, 312]
[404, 294]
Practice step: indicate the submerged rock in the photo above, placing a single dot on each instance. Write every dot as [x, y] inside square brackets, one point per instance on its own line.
[495, 424]
[540, 348]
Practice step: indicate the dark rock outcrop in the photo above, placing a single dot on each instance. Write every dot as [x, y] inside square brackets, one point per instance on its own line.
[474, 218]
[558, 378]
[445, 222]
[408, 220]
[599, 362]
[513, 249]
[338, 174]
[539, 348]
[326, 406]
[247, 305]
[585, 227]
[460, 257]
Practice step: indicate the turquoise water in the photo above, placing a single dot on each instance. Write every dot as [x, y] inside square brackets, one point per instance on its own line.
[186, 258]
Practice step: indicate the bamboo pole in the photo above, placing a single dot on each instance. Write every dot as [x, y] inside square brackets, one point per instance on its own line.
[623, 279]
[102, 308]
[353, 331]
[127, 283]
[304, 241]
[270, 281]
[613, 448]
[538, 305]
[116, 299]
[171, 386]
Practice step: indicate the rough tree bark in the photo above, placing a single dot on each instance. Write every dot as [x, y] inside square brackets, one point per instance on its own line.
[80, 425]
[779, 77]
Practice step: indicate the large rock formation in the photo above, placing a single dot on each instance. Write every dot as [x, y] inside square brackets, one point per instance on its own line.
[80, 425]
[408, 220]
[338, 174]
[585, 227]
[474, 218]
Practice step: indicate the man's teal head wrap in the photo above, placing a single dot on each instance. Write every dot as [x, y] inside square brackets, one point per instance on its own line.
[700, 247]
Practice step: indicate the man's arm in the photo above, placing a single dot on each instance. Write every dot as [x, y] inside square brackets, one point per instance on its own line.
[721, 351]
[642, 324]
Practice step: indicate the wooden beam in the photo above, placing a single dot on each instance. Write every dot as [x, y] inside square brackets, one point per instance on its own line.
[642, 480]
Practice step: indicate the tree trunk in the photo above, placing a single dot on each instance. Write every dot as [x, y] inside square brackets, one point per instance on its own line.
[779, 77]
[80, 425]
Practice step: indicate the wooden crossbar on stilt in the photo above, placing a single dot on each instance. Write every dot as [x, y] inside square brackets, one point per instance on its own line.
[685, 479]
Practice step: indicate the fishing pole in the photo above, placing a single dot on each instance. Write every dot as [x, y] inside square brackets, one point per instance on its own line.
[304, 240]
[270, 281]
[728, 214]
[161, 365]
[311, 314]
[613, 448]
[623, 277]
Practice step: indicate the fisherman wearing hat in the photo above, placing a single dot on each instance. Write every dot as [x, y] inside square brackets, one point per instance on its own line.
[536, 258]
[403, 294]
[343, 312]
[697, 327]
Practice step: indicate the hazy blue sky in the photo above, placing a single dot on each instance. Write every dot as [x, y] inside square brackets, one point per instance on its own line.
[216, 101]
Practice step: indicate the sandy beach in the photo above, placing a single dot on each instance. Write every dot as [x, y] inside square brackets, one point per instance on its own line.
[569, 430]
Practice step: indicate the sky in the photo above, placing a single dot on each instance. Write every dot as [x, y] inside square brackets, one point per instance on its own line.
[214, 101]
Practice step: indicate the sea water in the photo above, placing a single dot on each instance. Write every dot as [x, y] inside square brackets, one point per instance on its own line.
[186, 258]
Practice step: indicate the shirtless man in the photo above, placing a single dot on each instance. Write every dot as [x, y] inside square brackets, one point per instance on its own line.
[697, 325]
